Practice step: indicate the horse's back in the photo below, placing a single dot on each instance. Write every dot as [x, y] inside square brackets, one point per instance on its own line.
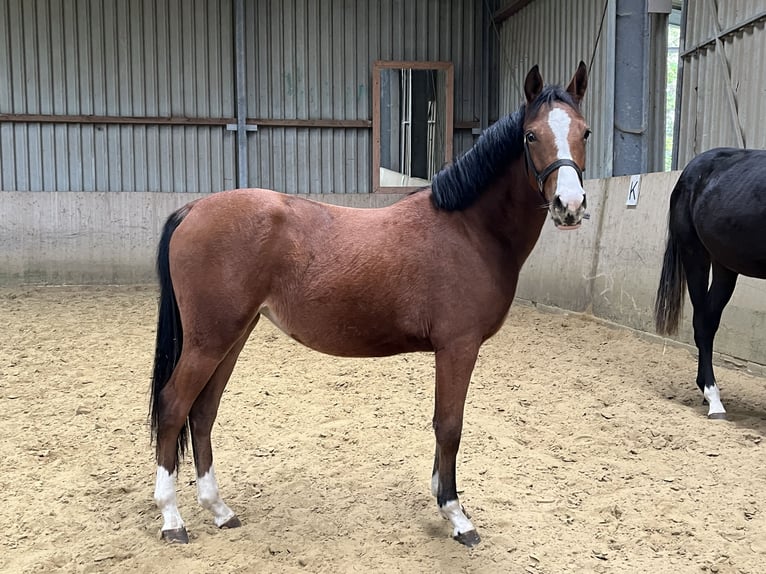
[721, 198]
[344, 281]
[331, 277]
[263, 232]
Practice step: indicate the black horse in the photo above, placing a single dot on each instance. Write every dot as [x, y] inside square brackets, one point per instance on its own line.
[717, 219]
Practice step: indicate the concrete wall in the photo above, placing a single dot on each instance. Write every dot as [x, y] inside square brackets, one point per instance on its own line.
[94, 237]
[610, 267]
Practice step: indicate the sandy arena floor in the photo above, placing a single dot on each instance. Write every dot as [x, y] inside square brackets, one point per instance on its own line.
[585, 449]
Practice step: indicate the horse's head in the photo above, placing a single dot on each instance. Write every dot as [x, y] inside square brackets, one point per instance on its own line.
[554, 144]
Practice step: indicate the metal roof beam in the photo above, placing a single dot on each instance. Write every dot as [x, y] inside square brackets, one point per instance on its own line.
[510, 9]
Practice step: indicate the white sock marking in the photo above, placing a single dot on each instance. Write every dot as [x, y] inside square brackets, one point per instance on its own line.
[713, 397]
[568, 186]
[454, 513]
[210, 499]
[165, 498]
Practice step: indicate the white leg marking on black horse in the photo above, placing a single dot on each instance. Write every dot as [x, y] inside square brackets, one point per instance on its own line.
[713, 397]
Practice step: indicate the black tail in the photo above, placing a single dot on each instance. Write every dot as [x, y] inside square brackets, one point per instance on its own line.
[670, 292]
[169, 332]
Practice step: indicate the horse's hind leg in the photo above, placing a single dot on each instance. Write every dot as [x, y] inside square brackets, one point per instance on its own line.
[719, 294]
[190, 376]
[708, 304]
[454, 365]
[201, 419]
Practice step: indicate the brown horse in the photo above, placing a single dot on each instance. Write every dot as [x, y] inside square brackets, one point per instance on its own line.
[436, 271]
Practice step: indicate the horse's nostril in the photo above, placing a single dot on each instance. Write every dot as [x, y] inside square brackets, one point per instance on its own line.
[557, 203]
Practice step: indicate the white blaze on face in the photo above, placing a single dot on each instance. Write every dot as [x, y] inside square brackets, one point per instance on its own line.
[568, 186]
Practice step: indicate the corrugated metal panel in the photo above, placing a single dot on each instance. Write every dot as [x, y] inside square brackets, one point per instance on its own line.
[307, 59]
[556, 36]
[312, 59]
[132, 58]
[705, 118]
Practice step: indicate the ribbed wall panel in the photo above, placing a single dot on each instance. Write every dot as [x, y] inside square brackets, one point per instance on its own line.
[312, 60]
[128, 58]
[705, 119]
[306, 59]
[556, 36]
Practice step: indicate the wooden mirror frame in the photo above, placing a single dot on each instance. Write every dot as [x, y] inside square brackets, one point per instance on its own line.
[379, 65]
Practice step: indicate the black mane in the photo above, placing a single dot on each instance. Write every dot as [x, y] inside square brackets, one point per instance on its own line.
[457, 186]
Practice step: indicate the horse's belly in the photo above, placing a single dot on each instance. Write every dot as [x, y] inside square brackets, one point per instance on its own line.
[344, 337]
[742, 264]
[736, 250]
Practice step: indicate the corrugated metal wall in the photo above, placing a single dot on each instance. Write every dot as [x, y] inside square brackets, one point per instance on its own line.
[312, 60]
[306, 59]
[556, 36]
[99, 57]
[706, 119]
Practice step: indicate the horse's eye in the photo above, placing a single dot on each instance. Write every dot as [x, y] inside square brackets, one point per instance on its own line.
[530, 137]
[587, 135]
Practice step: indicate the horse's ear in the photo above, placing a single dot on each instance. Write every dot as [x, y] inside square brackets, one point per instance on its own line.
[579, 83]
[533, 85]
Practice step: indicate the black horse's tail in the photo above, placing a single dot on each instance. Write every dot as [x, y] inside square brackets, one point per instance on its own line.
[670, 292]
[169, 332]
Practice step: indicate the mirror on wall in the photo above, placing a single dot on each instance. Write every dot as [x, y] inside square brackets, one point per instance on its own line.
[412, 114]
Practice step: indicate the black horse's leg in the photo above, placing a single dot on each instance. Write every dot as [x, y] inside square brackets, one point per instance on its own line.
[697, 268]
[201, 419]
[708, 304]
[721, 289]
[454, 365]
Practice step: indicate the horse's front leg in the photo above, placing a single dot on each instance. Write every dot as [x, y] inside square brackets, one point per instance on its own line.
[454, 366]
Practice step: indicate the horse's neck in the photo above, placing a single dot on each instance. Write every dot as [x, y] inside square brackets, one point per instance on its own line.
[512, 215]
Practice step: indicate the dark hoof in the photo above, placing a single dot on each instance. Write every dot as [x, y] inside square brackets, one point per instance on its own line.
[470, 538]
[717, 416]
[176, 536]
[232, 522]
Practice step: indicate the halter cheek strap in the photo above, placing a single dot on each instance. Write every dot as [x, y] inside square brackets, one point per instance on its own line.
[540, 177]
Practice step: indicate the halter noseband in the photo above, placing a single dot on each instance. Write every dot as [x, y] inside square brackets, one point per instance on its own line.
[540, 177]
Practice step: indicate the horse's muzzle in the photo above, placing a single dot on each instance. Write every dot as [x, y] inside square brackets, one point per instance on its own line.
[570, 215]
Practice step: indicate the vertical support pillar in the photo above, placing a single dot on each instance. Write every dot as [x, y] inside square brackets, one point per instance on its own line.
[486, 59]
[241, 81]
[639, 91]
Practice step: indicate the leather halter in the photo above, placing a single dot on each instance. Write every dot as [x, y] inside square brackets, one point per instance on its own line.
[540, 177]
